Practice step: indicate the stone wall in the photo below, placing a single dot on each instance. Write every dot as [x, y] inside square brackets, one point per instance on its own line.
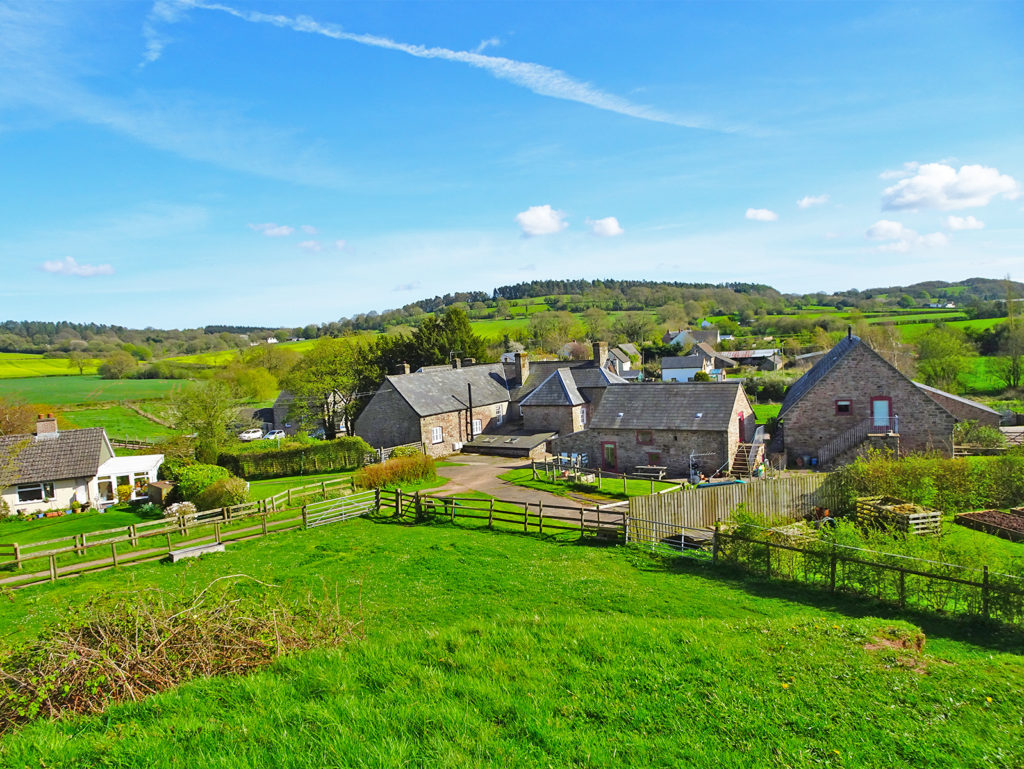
[964, 411]
[859, 376]
[672, 447]
[560, 419]
[388, 420]
[454, 428]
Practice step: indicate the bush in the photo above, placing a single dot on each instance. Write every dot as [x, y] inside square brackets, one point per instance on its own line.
[396, 471]
[124, 493]
[196, 478]
[180, 510]
[406, 451]
[970, 433]
[172, 468]
[268, 461]
[224, 493]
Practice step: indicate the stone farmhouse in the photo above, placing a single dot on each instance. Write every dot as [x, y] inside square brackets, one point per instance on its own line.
[853, 399]
[58, 467]
[686, 428]
[439, 407]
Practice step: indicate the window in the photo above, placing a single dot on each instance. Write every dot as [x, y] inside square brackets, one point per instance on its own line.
[35, 492]
[654, 458]
[499, 413]
[106, 489]
[435, 435]
[644, 436]
[844, 407]
[583, 416]
[477, 427]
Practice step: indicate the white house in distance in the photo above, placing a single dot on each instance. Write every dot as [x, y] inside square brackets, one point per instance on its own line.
[56, 468]
[684, 368]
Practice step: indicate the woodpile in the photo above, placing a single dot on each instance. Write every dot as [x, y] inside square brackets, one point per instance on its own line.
[893, 513]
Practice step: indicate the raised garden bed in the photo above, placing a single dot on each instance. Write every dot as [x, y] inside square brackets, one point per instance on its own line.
[893, 513]
[1006, 525]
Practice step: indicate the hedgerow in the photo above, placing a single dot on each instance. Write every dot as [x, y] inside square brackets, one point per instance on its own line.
[396, 471]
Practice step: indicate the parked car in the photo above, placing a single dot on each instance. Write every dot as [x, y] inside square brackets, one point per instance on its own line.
[274, 435]
[318, 433]
[252, 434]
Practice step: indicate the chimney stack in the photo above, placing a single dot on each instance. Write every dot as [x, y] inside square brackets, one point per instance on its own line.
[46, 424]
[403, 368]
[456, 362]
[600, 354]
[522, 368]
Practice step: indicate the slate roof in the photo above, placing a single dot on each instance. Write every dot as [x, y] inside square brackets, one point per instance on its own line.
[965, 401]
[667, 406]
[584, 374]
[685, 361]
[619, 354]
[630, 349]
[816, 372]
[592, 376]
[559, 389]
[724, 360]
[443, 389]
[55, 457]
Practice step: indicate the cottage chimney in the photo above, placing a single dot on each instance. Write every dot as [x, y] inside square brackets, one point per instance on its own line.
[403, 368]
[600, 353]
[522, 368]
[849, 332]
[46, 424]
[456, 362]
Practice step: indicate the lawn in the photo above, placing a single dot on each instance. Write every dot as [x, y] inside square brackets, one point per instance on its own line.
[765, 411]
[18, 364]
[481, 648]
[39, 530]
[911, 332]
[611, 488]
[86, 389]
[119, 422]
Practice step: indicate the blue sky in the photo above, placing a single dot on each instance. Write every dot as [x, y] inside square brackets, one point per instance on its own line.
[185, 162]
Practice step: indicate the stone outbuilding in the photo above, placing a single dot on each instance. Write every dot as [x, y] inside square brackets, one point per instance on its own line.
[852, 399]
[697, 426]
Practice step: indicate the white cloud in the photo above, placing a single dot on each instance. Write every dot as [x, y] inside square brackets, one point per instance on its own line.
[964, 223]
[936, 185]
[538, 78]
[68, 266]
[309, 229]
[608, 227]
[488, 43]
[272, 230]
[339, 244]
[761, 215]
[812, 200]
[311, 245]
[884, 229]
[900, 173]
[902, 239]
[541, 220]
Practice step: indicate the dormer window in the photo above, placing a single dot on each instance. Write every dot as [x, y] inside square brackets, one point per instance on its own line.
[844, 407]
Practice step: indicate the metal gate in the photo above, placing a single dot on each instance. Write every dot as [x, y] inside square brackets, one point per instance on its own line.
[341, 509]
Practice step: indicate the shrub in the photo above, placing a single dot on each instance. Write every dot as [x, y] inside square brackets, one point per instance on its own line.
[180, 510]
[970, 433]
[224, 493]
[196, 478]
[267, 461]
[124, 493]
[172, 468]
[406, 451]
[396, 471]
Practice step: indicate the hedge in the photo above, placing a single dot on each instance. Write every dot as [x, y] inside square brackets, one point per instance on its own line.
[933, 480]
[321, 457]
[396, 471]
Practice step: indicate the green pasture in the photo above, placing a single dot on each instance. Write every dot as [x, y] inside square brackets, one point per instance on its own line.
[42, 529]
[218, 358]
[119, 422]
[481, 648]
[16, 365]
[765, 411]
[57, 391]
[911, 332]
[611, 488]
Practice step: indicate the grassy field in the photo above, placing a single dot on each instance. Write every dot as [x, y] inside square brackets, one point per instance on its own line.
[25, 532]
[481, 648]
[911, 332]
[611, 489]
[119, 422]
[14, 365]
[765, 411]
[57, 391]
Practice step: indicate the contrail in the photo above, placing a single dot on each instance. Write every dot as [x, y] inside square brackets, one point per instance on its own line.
[538, 78]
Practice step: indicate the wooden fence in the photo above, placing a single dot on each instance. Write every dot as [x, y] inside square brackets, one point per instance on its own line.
[703, 507]
[605, 480]
[903, 581]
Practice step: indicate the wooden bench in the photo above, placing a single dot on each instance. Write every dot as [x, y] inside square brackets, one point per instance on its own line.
[650, 471]
[195, 552]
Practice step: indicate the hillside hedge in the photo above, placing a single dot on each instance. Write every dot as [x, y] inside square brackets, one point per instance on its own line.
[324, 456]
[932, 480]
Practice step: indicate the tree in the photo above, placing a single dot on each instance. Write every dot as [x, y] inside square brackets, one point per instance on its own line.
[249, 383]
[78, 359]
[596, 321]
[634, 326]
[439, 339]
[502, 309]
[206, 409]
[942, 354]
[118, 365]
[16, 418]
[277, 360]
[325, 385]
[1009, 365]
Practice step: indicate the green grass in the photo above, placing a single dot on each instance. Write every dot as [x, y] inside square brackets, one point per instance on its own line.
[611, 489]
[17, 365]
[40, 530]
[482, 648]
[119, 422]
[86, 389]
[1003, 551]
[274, 486]
[765, 411]
[911, 332]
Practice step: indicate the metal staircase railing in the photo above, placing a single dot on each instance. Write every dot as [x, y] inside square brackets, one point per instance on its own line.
[856, 435]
